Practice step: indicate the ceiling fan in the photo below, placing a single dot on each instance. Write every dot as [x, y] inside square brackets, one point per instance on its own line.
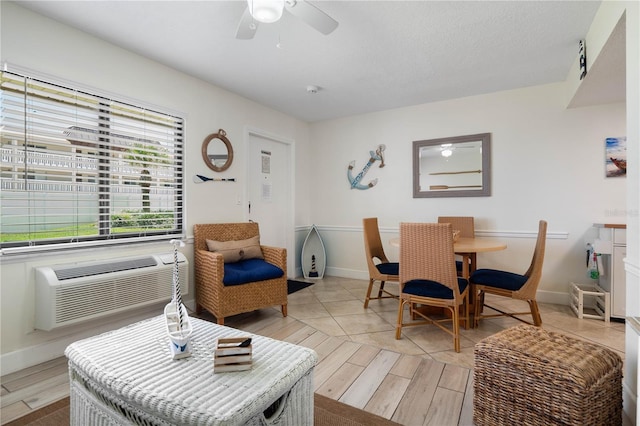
[268, 11]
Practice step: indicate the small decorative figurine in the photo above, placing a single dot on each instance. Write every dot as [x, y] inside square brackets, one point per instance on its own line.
[176, 316]
[313, 273]
[583, 58]
[355, 181]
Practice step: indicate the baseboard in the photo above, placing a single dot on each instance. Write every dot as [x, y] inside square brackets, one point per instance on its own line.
[555, 297]
[347, 273]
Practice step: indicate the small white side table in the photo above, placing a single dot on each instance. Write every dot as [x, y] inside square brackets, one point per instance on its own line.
[601, 301]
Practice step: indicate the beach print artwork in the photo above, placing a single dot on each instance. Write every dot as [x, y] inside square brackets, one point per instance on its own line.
[616, 157]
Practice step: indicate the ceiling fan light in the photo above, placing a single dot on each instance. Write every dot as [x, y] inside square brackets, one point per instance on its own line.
[266, 11]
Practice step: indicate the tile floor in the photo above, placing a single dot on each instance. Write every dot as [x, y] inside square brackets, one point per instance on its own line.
[329, 316]
[334, 306]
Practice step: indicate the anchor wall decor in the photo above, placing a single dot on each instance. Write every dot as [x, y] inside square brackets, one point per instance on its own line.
[373, 157]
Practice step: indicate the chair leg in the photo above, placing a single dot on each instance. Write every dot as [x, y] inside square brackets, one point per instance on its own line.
[198, 308]
[456, 328]
[220, 321]
[477, 308]
[466, 311]
[380, 289]
[284, 310]
[399, 323]
[366, 300]
[535, 313]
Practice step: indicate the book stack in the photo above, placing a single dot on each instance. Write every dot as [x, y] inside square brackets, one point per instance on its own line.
[232, 354]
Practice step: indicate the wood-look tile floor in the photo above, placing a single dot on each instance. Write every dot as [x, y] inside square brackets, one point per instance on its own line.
[417, 380]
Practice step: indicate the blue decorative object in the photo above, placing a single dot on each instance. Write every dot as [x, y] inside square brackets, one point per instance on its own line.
[373, 157]
[250, 270]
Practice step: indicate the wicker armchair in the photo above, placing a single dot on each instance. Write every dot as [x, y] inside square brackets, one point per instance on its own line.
[223, 301]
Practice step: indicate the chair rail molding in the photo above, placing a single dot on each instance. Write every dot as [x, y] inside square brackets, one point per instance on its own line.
[557, 235]
[521, 234]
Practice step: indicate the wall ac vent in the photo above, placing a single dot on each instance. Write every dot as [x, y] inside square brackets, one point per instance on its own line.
[73, 293]
[68, 273]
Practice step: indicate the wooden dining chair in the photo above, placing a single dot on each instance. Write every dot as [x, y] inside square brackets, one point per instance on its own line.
[428, 278]
[380, 269]
[466, 226]
[511, 285]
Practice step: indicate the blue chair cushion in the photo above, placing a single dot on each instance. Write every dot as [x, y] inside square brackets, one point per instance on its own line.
[250, 270]
[428, 288]
[498, 279]
[389, 268]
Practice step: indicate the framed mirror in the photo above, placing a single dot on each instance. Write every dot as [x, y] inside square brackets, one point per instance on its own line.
[217, 151]
[452, 167]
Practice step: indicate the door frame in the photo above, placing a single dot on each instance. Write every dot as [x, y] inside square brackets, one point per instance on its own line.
[289, 144]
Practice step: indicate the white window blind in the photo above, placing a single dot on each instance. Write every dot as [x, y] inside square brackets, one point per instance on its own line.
[81, 167]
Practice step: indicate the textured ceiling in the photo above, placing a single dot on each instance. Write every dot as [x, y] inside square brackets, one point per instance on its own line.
[383, 55]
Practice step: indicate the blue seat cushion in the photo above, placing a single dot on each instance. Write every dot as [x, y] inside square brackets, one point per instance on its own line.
[250, 270]
[499, 279]
[428, 288]
[389, 268]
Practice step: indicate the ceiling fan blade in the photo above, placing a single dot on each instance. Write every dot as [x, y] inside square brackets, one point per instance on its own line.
[247, 26]
[311, 15]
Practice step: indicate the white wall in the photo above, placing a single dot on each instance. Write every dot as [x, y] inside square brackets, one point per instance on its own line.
[547, 163]
[632, 262]
[612, 14]
[34, 42]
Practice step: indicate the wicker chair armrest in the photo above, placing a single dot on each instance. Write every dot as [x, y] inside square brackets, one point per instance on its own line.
[210, 264]
[276, 256]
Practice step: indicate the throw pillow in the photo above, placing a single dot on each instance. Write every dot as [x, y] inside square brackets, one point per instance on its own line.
[235, 251]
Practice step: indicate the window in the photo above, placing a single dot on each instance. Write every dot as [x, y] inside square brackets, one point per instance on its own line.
[77, 167]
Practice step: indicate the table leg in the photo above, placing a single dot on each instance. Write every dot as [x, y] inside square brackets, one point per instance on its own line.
[465, 264]
[468, 267]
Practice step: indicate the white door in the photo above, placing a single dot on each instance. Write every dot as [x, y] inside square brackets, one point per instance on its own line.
[270, 191]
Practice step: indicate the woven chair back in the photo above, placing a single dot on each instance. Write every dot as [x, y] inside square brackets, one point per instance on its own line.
[372, 243]
[426, 253]
[464, 224]
[223, 232]
[534, 273]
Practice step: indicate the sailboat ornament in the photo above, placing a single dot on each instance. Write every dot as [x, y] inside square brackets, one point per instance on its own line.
[176, 316]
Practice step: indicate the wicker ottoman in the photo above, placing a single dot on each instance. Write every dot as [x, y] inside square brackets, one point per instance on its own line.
[128, 377]
[529, 376]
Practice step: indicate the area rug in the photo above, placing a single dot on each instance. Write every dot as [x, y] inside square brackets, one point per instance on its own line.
[327, 412]
[293, 286]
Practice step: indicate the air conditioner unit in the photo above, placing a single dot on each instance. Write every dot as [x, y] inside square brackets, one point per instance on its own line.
[73, 293]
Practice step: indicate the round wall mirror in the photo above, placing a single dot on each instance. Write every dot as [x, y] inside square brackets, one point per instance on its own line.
[217, 152]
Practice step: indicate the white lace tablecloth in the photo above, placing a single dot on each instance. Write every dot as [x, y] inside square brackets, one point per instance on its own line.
[128, 376]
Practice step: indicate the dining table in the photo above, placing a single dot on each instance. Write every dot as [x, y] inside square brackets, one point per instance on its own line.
[468, 248]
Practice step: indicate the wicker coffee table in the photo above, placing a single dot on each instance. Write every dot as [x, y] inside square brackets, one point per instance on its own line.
[128, 376]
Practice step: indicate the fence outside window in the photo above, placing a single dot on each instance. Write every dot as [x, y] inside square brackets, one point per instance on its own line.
[81, 167]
